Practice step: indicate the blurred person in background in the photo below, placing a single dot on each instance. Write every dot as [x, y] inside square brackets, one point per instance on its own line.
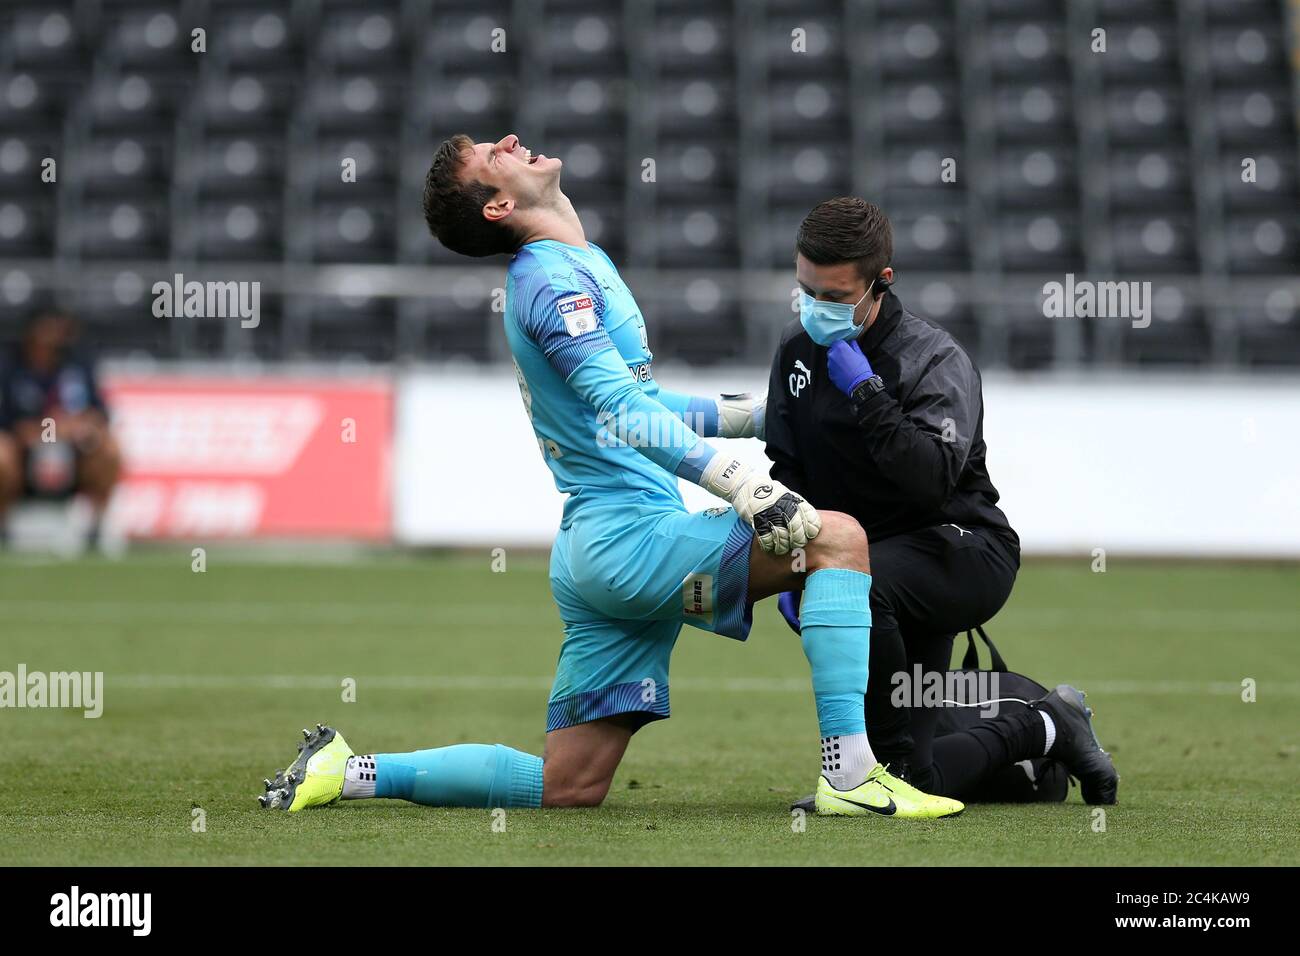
[55, 440]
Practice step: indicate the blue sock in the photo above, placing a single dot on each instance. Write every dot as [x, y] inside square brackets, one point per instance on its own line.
[835, 617]
[463, 775]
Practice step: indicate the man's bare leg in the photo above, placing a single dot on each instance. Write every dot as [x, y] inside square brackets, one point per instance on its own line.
[577, 771]
[99, 468]
[580, 761]
[834, 572]
[841, 544]
[11, 475]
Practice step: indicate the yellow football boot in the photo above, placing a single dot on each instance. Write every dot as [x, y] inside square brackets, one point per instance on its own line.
[315, 778]
[883, 794]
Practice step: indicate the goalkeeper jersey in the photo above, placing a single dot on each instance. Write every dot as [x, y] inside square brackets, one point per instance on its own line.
[607, 431]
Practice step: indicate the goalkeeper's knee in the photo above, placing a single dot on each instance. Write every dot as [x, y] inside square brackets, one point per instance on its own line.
[841, 544]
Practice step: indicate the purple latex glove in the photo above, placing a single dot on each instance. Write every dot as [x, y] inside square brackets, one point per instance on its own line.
[847, 366]
[788, 605]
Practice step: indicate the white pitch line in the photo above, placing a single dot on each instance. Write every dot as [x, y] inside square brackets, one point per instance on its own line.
[1200, 620]
[704, 684]
[242, 611]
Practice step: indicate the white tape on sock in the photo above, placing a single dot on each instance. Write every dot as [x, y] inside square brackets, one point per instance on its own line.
[359, 778]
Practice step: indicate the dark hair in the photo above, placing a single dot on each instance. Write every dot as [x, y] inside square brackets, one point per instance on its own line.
[847, 229]
[453, 206]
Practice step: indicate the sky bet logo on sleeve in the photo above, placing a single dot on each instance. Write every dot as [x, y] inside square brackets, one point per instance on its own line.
[578, 313]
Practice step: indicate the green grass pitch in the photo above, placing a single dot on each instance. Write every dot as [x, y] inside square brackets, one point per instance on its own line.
[209, 677]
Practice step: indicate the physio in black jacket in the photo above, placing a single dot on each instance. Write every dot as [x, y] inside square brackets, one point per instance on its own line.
[876, 412]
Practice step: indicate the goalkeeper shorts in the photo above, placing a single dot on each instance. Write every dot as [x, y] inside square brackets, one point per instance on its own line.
[624, 590]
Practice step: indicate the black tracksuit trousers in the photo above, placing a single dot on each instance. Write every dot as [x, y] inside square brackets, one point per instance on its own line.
[928, 586]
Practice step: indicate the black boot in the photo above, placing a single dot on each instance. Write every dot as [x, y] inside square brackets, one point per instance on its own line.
[1077, 746]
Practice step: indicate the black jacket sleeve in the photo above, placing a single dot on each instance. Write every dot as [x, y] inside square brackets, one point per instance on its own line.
[781, 446]
[920, 440]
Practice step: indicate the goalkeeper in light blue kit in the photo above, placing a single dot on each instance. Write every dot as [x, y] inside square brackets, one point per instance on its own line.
[630, 564]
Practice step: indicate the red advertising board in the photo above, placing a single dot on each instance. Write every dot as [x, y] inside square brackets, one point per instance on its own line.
[253, 457]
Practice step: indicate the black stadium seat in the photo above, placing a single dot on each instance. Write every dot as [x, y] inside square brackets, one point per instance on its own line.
[930, 241]
[122, 229]
[1254, 117]
[921, 110]
[1241, 53]
[352, 232]
[924, 49]
[586, 103]
[258, 37]
[1034, 112]
[1163, 243]
[44, 36]
[1145, 114]
[26, 227]
[695, 166]
[1157, 177]
[243, 230]
[1036, 177]
[602, 222]
[696, 236]
[693, 44]
[360, 40]
[1266, 179]
[1267, 244]
[1046, 242]
[21, 159]
[462, 41]
[698, 105]
[914, 175]
[29, 103]
[583, 43]
[122, 164]
[809, 107]
[245, 165]
[1141, 52]
[1028, 51]
[1270, 326]
[354, 103]
[808, 170]
[480, 105]
[244, 102]
[371, 165]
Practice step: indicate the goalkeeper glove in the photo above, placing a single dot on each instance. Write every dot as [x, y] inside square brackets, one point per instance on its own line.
[781, 519]
[741, 416]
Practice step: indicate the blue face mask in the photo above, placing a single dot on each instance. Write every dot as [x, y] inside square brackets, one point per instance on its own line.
[827, 322]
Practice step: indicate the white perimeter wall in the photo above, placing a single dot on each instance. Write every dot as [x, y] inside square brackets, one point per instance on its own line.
[1185, 466]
